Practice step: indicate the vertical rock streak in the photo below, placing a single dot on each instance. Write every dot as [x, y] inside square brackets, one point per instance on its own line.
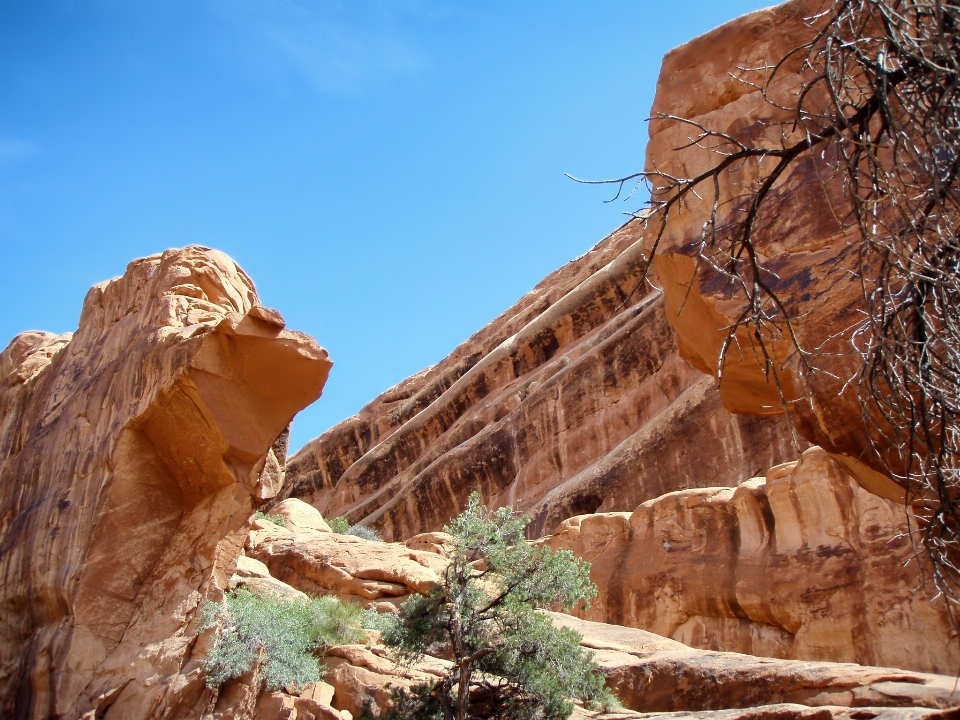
[574, 399]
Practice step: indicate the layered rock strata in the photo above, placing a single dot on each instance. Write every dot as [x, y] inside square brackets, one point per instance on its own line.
[131, 456]
[802, 564]
[574, 400]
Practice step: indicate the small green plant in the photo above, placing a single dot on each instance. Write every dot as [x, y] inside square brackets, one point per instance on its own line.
[339, 525]
[510, 661]
[336, 622]
[275, 519]
[342, 526]
[275, 636]
[381, 622]
[362, 531]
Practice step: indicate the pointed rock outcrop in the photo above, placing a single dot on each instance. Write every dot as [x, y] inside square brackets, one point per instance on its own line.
[131, 455]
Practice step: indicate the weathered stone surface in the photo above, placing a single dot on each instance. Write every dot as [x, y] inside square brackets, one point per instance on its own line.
[274, 468]
[804, 564]
[298, 516]
[254, 576]
[571, 401]
[435, 542]
[325, 563]
[247, 567]
[651, 673]
[802, 236]
[363, 675]
[279, 706]
[241, 700]
[777, 711]
[321, 692]
[130, 454]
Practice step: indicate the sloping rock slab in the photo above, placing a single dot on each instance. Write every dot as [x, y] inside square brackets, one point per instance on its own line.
[779, 711]
[573, 400]
[650, 673]
[804, 565]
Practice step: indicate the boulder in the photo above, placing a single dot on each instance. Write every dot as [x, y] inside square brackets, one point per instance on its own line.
[435, 542]
[320, 692]
[803, 236]
[248, 567]
[376, 574]
[298, 515]
[280, 706]
[363, 676]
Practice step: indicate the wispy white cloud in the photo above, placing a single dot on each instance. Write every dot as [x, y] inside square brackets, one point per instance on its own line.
[334, 47]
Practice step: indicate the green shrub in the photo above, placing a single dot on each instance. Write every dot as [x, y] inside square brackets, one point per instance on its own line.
[336, 622]
[275, 519]
[339, 525]
[485, 615]
[281, 633]
[373, 620]
[342, 526]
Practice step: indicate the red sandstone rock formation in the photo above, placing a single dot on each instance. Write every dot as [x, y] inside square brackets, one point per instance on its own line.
[320, 562]
[804, 564]
[801, 238]
[653, 674]
[130, 457]
[572, 401]
[649, 673]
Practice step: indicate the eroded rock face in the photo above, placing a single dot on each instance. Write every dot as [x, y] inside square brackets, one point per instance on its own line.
[324, 563]
[804, 564]
[803, 236]
[366, 675]
[572, 401]
[131, 455]
[650, 673]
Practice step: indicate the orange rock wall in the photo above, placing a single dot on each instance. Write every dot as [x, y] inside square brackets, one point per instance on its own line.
[804, 564]
[130, 455]
[803, 235]
[574, 400]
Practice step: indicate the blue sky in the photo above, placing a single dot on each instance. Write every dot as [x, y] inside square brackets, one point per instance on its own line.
[390, 174]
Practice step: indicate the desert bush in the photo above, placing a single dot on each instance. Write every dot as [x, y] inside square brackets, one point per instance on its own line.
[342, 526]
[336, 622]
[339, 525]
[510, 661]
[275, 519]
[275, 636]
[362, 531]
[373, 620]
